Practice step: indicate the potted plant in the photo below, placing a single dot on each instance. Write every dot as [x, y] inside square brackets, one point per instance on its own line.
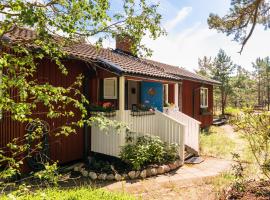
[142, 110]
[106, 109]
[109, 109]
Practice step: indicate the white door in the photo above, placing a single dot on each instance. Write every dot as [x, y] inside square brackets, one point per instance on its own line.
[133, 93]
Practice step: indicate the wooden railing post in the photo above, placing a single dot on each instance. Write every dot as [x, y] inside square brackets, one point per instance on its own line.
[182, 144]
[121, 96]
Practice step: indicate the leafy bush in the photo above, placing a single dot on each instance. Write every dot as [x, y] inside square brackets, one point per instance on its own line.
[255, 128]
[147, 150]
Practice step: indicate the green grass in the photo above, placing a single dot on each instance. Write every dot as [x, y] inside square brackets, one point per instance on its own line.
[216, 143]
[232, 111]
[82, 193]
[221, 181]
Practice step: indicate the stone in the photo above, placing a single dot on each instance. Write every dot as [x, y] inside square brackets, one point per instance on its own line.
[125, 176]
[118, 177]
[84, 173]
[153, 172]
[143, 174]
[132, 174]
[137, 174]
[102, 176]
[148, 172]
[76, 167]
[172, 166]
[161, 170]
[93, 175]
[110, 177]
[81, 169]
[166, 168]
[178, 163]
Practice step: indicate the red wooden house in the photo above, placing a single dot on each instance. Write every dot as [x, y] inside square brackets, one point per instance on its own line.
[183, 101]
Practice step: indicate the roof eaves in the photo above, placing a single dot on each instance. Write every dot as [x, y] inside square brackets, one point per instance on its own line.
[114, 67]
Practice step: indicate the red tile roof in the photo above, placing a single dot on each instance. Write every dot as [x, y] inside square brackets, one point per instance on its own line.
[181, 72]
[129, 64]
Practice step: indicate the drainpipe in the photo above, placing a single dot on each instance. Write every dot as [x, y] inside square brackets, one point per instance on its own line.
[86, 128]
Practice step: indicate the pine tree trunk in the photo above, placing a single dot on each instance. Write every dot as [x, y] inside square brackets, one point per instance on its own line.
[222, 103]
[259, 91]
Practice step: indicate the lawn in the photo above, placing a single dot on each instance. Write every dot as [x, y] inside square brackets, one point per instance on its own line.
[81, 193]
[217, 143]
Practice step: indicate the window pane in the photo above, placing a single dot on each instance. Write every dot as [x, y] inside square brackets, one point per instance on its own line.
[110, 90]
[204, 97]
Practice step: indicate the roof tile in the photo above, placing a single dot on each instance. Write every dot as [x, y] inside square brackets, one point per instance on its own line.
[128, 63]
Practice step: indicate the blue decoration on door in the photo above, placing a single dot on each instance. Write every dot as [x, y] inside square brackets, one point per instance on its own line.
[152, 94]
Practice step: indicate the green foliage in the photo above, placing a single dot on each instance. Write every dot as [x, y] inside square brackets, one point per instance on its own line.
[48, 174]
[147, 150]
[243, 89]
[241, 19]
[232, 111]
[256, 130]
[220, 69]
[57, 24]
[262, 75]
[205, 66]
[81, 193]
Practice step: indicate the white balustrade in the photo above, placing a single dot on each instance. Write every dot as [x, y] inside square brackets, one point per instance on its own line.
[192, 126]
[166, 127]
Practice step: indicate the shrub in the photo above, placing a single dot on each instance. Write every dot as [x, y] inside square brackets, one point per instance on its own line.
[256, 130]
[147, 150]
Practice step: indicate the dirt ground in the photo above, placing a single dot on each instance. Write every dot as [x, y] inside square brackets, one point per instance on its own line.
[190, 182]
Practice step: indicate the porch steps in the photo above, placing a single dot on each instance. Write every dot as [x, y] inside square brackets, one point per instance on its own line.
[191, 156]
[191, 151]
[194, 160]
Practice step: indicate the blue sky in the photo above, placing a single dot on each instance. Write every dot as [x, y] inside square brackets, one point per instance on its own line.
[189, 37]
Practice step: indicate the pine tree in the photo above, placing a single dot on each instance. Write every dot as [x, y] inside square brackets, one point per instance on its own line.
[242, 19]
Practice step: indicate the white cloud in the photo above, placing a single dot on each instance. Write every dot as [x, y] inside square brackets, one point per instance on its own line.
[184, 49]
[181, 15]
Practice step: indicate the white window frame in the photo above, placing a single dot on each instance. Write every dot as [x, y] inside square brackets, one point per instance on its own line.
[204, 94]
[105, 84]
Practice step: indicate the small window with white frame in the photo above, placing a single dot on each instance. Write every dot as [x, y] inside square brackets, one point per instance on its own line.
[110, 88]
[204, 97]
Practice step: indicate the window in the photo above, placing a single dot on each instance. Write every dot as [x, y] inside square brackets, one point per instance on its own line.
[204, 97]
[110, 88]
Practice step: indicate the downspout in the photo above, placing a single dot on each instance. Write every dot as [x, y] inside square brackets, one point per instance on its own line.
[86, 128]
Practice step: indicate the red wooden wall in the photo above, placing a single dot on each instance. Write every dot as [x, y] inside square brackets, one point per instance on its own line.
[171, 93]
[191, 101]
[62, 148]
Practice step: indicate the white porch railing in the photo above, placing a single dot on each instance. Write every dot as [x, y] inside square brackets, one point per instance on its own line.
[193, 128]
[159, 124]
